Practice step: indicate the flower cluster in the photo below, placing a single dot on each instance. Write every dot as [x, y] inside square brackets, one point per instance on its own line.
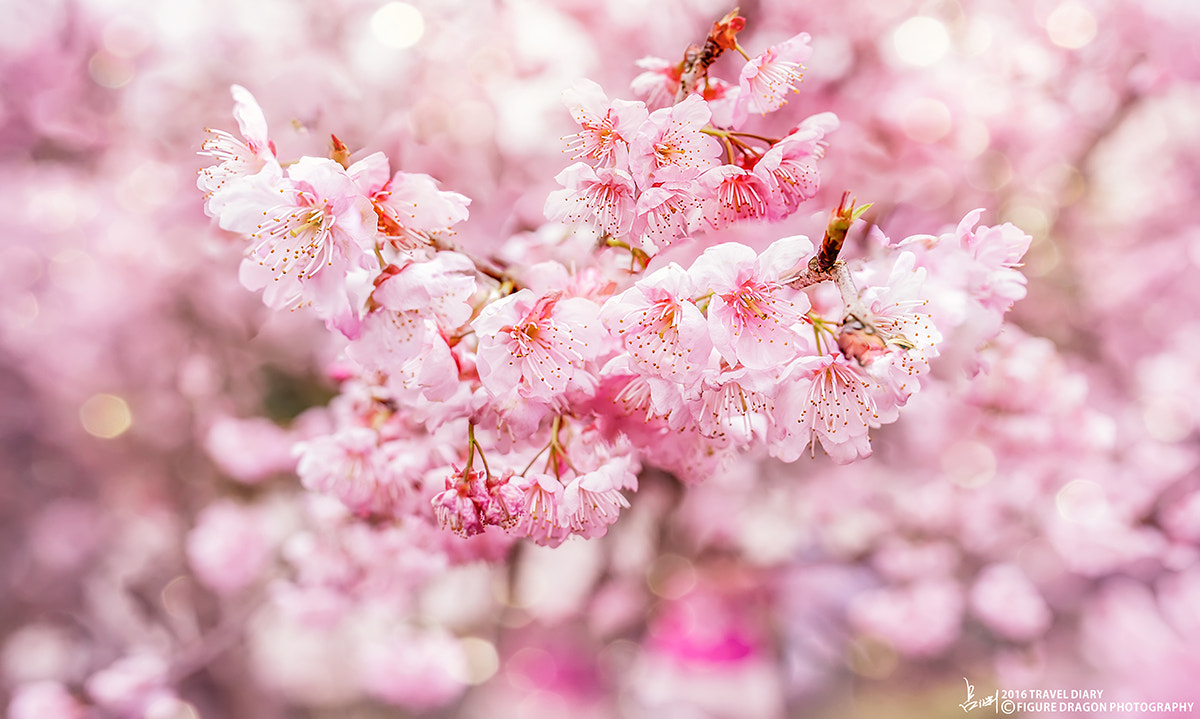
[527, 398]
[656, 171]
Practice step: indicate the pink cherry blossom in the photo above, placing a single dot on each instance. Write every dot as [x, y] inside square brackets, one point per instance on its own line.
[665, 214]
[537, 346]
[891, 336]
[825, 399]
[658, 82]
[419, 670]
[606, 126]
[645, 396]
[353, 466]
[46, 699]
[734, 407]
[998, 251]
[1005, 599]
[458, 508]
[604, 197]
[472, 501]
[732, 194]
[308, 246]
[239, 159]
[412, 209]
[660, 326]
[789, 167]
[250, 450]
[1038, 493]
[766, 80]
[130, 685]
[920, 619]
[752, 318]
[895, 310]
[416, 303]
[672, 137]
[592, 501]
[228, 548]
[542, 497]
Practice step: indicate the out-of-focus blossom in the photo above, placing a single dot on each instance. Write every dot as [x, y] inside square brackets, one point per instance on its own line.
[228, 548]
[44, 700]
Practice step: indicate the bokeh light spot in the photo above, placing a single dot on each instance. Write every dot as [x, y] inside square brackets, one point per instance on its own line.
[926, 120]
[111, 71]
[482, 661]
[969, 464]
[991, 172]
[1043, 257]
[398, 25]
[105, 416]
[972, 138]
[71, 268]
[176, 598]
[1082, 502]
[1168, 418]
[1071, 25]
[978, 37]
[25, 309]
[921, 41]
[671, 576]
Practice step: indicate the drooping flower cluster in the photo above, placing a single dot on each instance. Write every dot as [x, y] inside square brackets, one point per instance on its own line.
[527, 399]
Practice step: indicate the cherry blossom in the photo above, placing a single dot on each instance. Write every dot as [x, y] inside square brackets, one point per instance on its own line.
[666, 214]
[660, 326]
[753, 318]
[732, 195]
[412, 210]
[766, 80]
[593, 500]
[658, 82]
[227, 548]
[1008, 602]
[673, 137]
[131, 685]
[606, 127]
[734, 406]
[416, 305]
[604, 197]
[46, 698]
[353, 466]
[420, 670]
[474, 500]
[312, 245]
[537, 346]
[541, 509]
[998, 251]
[789, 167]
[252, 155]
[826, 399]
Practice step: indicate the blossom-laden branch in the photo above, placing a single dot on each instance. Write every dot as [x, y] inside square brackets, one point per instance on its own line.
[567, 376]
